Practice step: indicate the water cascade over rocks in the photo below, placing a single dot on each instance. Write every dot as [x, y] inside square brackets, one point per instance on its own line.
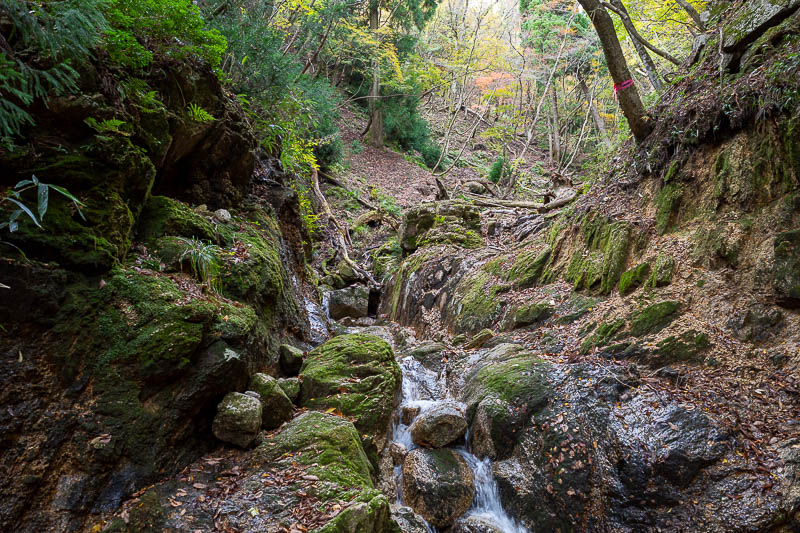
[444, 471]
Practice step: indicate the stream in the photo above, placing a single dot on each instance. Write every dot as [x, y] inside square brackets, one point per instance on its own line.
[422, 389]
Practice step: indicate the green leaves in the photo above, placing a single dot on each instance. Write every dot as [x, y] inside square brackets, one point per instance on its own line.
[14, 196]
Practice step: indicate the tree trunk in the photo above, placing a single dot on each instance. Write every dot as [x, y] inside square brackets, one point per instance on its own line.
[376, 130]
[693, 14]
[641, 51]
[629, 99]
[598, 120]
[556, 128]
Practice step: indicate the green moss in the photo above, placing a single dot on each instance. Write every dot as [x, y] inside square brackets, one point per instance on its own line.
[532, 313]
[667, 201]
[633, 278]
[164, 216]
[409, 267]
[331, 448]
[147, 515]
[480, 338]
[673, 172]
[577, 305]
[603, 335]
[519, 379]
[478, 302]
[600, 263]
[356, 374]
[662, 272]
[528, 267]
[685, 348]
[653, 318]
[712, 244]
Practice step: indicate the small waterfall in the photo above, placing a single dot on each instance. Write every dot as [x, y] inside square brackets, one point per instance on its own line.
[422, 389]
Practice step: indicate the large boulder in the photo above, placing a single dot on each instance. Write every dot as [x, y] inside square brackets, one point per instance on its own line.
[238, 419]
[290, 387]
[440, 223]
[441, 424]
[351, 302]
[356, 374]
[437, 484]
[276, 407]
[786, 272]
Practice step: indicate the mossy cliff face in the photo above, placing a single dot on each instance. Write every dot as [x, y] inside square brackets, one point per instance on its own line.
[126, 353]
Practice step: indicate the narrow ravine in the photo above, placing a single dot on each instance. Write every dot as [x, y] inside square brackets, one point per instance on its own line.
[423, 389]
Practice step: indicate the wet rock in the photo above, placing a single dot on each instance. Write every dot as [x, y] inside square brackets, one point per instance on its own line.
[290, 359]
[408, 520]
[238, 419]
[441, 424]
[475, 524]
[437, 484]
[357, 374]
[290, 387]
[398, 452]
[349, 302]
[786, 271]
[276, 407]
[408, 413]
[429, 354]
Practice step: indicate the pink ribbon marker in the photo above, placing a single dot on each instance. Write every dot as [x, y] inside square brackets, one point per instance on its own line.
[622, 86]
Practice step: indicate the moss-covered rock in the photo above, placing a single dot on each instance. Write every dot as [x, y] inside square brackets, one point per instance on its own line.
[599, 263]
[238, 419]
[290, 387]
[531, 314]
[479, 339]
[667, 201]
[604, 334]
[688, 347]
[440, 223]
[653, 318]
[576, 306]
[477, 303]
[500, 397]
[291, 359]
[786, 269]
[633, 278]
[662, 272]
[529, 266]
[356, 374]
[276, 406]
[164, 216]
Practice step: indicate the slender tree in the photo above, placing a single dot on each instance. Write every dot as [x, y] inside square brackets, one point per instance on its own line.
[627, 93]
[641, 51]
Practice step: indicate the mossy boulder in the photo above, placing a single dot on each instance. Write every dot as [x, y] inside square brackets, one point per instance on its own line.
[429, 354]
[439, 425]
[277, 408]
[529, 266]
[165, 216]
[330, 448]
[437, 484]
[653, 318]
[290, 387]
[786, 269]
[531, 314]
[500, 397]
[662, 272]
[633, 278]
[350, 302]
[238, 419]
[440, 223]
[603, 335]
[356, 374]
[575, 307]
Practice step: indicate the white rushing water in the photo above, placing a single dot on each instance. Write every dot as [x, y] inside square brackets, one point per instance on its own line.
[422, 389]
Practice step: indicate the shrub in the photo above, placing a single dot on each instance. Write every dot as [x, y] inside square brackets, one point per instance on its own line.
[496, 171]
